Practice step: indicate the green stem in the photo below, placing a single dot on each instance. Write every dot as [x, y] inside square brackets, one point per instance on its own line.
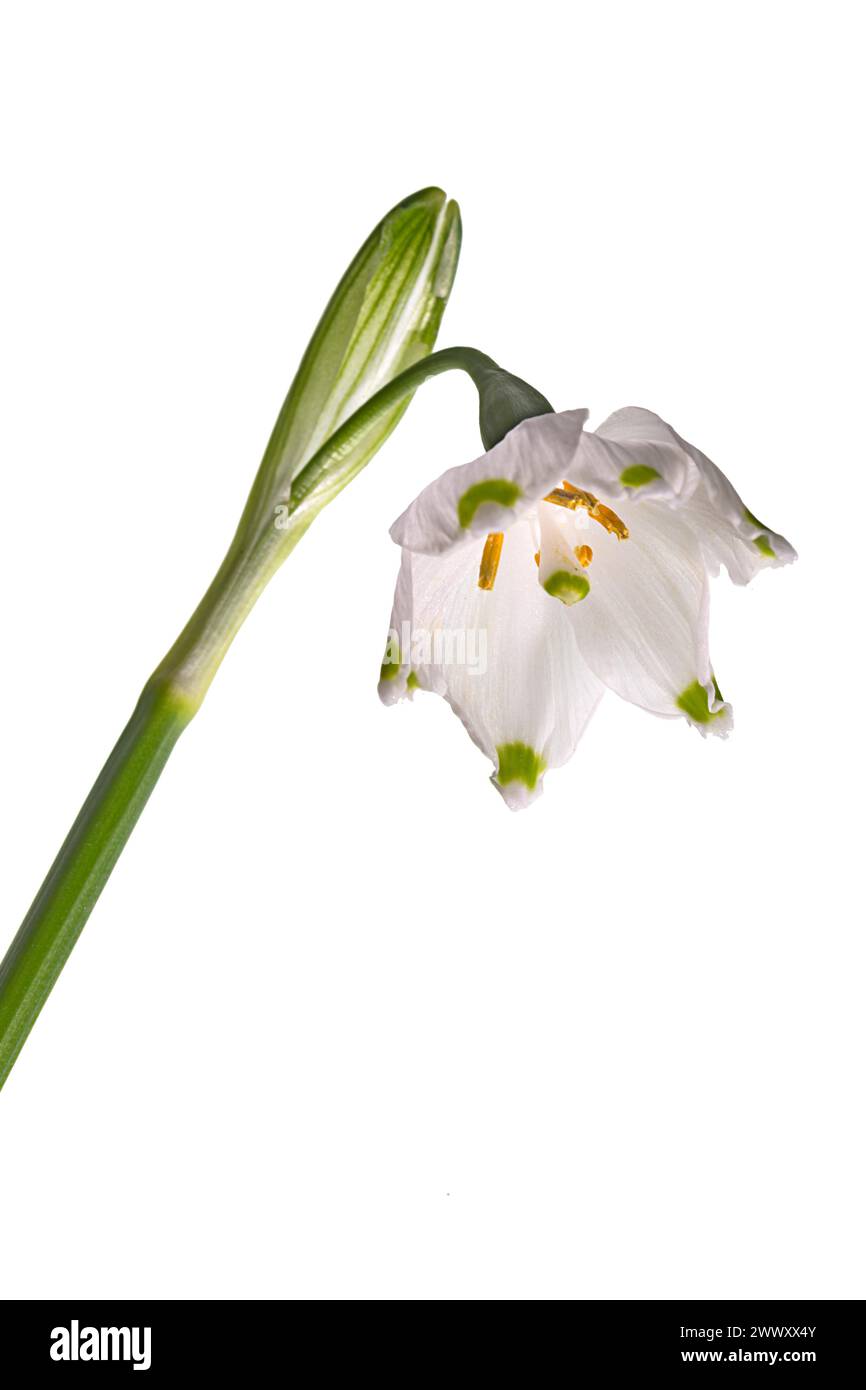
[167, 704]
[76, 878]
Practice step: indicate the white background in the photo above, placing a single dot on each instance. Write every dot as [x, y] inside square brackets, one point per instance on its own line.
[341, 1026]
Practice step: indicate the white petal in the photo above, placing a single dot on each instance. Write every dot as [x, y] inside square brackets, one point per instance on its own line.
[634, 453]
[396, 664]
[728, 532]
[490, 493]
[730, 535]
[643, 626]
[507, 662]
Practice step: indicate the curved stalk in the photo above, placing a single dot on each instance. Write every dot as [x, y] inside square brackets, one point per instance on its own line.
[175, 691]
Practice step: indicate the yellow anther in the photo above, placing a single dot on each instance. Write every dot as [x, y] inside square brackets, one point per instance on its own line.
[584, 555]
[573, 497]
[538, 557]
[610, 521]
[584, 498]
[490, 560]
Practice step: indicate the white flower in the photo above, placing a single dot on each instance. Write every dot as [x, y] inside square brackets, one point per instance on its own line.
[578, 561]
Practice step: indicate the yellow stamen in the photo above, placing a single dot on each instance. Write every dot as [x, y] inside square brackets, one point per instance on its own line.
[610, 521]
[490, 560]
[573, 497]
[538, 557]
[587, 499]
[584, 555]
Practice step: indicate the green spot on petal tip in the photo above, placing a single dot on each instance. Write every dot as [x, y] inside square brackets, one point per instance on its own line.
[695, 703]
[568, 587]
[638, 475]
[500, 491]
[519, 763]
[390, 670]
[413, 682]
[762, 543]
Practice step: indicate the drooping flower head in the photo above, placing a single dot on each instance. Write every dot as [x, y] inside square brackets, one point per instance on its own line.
[561, 563]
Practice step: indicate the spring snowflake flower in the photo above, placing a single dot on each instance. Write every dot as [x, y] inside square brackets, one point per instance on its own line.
[570, 562]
